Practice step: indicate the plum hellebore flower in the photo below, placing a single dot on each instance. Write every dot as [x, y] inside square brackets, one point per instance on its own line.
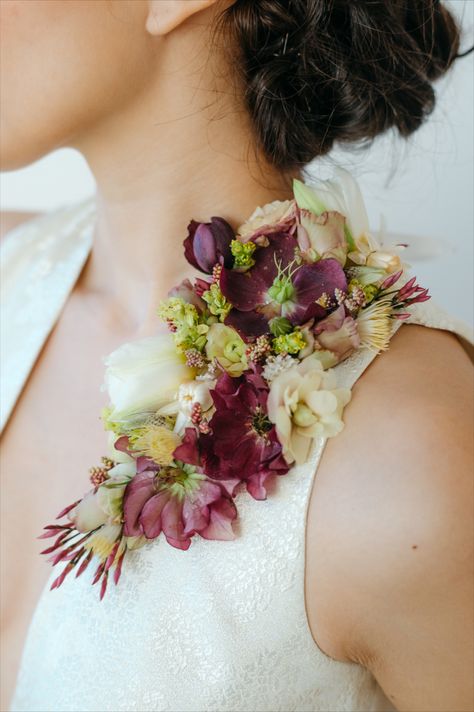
[277, 294]
[242, 444]
[273, 292]
[180, 502]
[136, 502]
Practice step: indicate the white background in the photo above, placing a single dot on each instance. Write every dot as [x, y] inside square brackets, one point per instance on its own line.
[424, 187]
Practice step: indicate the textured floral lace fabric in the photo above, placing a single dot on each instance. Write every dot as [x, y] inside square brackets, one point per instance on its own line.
[221, 627]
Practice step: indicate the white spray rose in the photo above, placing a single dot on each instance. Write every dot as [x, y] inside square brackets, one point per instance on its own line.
[142, 376]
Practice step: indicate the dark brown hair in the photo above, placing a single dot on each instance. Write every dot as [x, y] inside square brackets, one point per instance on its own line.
[317, 72]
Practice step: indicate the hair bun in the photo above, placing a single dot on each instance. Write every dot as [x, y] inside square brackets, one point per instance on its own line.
[317, 72]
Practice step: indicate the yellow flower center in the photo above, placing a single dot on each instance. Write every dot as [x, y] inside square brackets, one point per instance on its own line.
[157, 443]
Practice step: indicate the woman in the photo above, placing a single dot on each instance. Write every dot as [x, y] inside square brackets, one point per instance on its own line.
[182, 116]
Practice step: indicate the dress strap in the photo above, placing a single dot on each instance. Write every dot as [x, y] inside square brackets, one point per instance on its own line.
[40, 263]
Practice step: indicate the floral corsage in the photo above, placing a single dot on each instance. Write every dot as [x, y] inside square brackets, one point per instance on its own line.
[243, 381]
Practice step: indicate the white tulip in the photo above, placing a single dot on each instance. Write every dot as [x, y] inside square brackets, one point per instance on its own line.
[142, 376]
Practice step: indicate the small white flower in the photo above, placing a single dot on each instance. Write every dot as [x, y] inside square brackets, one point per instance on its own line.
[187, 395]
[275, 365]
[210, 374]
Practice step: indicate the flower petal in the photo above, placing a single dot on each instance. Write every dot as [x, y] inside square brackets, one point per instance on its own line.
[188, 451]
[312, 281]
[222, 514]
[150, 517]
[137, 492]
[172, 522]
[247, 323]
[246, 290]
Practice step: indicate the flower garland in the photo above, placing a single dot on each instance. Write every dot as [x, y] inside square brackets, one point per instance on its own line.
[243, 381]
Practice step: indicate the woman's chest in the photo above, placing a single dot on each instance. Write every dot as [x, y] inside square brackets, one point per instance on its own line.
[220, 626]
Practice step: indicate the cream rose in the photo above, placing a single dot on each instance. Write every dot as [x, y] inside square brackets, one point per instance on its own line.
[304, 402]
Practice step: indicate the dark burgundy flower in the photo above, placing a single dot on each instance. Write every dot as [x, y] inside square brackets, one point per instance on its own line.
[277, 286]
[208, 244]
[242, 443]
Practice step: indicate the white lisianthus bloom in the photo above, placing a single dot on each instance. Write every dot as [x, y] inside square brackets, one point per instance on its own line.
[187, 396]
[304, 402]
[141, 376]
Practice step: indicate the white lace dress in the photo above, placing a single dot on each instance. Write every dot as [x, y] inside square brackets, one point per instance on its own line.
[221, 627]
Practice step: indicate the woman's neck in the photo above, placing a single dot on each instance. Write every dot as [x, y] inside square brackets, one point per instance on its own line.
[159, 164]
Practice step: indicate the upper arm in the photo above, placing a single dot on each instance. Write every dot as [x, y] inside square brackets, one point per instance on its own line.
[10, 219]
[404, 562]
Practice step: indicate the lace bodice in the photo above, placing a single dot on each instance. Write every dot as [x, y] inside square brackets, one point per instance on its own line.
[221, 627]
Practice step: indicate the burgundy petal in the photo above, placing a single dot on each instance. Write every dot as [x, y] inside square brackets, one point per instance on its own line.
[248, 324]
[245, 290]
[179, 543]
[229, 486]
[146, 463]
[188, 451]
[222, 515]
[122, 444]
[255, 485]
[311, 281]
[150, 517]
[204, 247]
[223, 236]
[137, 492]
[208, 244]
[188, 244]
[171, 521]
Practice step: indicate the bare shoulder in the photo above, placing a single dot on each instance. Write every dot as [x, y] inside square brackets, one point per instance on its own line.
[10, 219]
[390, 525]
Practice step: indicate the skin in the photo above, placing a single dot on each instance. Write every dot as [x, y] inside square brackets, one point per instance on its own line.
[133, 85]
